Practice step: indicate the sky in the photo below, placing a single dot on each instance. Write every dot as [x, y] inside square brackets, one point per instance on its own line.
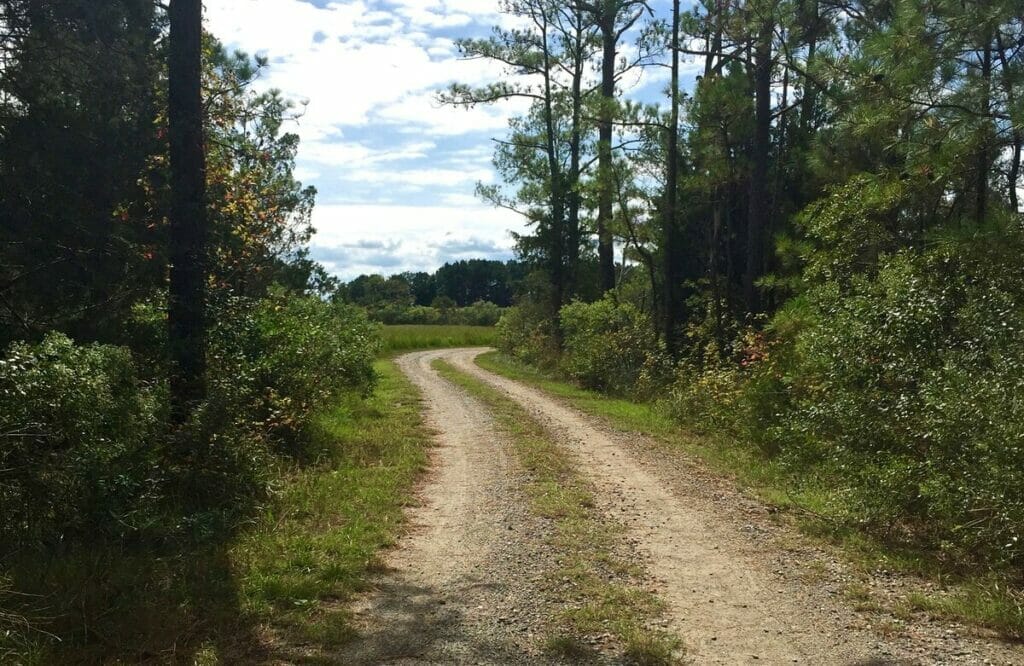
[395, 170]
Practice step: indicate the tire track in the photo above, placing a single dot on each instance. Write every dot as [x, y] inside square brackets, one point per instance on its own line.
[725, 600]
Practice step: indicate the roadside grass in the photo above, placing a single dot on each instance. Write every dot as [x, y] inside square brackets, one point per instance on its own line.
[607, 597]
[414, 337]
[276, 585]
[981, 598]
[331, 522]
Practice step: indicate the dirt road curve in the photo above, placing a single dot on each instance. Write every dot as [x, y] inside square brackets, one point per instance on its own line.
[740, 588]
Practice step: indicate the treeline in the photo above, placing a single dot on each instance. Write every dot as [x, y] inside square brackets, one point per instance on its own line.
[100, 465]
[820, 239]
[472, 292]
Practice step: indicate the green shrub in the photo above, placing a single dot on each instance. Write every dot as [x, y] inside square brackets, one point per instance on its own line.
[77, 429]
[610, 346]
[525, 333]
[276, 362]
[481, 313]
[913, 382]
[87, 451]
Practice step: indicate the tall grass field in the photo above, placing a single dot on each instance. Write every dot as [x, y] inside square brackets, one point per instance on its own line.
[417, 336]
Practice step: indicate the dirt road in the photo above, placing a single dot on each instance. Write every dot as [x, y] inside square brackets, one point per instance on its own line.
[740, 587]
[462, 585]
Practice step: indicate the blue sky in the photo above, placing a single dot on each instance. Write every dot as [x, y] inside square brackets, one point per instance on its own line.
[396, 172]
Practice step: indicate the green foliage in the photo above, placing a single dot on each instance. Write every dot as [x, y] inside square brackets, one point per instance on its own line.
[903, 386]
[88, 451]
[218, 601]
[278, 361]
[77, 429]
[458, 284]
[480, 313]
[912, 383]
[525, 333]
[309, 353]
[77, 111]
[610, 346]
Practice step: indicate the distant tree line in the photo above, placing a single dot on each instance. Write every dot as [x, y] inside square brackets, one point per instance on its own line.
[456, 284]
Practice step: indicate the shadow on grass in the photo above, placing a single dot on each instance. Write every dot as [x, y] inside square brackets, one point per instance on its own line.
[109, 604]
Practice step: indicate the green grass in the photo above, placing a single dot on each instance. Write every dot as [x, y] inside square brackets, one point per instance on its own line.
[972, 596]
[605, 586]
[413, 337]
[275, 586]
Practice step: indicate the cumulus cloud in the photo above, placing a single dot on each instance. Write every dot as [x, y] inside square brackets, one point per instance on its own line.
[367, 238]
[473, 247]
[396, 170]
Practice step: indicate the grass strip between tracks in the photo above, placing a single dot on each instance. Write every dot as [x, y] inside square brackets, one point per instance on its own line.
[606, 593]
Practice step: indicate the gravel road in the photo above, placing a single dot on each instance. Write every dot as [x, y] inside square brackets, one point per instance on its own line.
[741, 587]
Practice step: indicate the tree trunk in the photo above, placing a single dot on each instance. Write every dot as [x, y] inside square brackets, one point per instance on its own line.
[575, 140]
[981, 186]
[1017, 136]
[672, 301]
[1015, 172]
[606, 196]
[557, 249]
[716, 273]
[187, 296]
[757, 220]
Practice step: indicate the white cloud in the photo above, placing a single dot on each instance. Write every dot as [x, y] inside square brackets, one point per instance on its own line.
[375, 139]
[356, 239]
[351, 60]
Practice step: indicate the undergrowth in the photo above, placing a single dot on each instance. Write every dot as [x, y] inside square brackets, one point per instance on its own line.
[255, 595]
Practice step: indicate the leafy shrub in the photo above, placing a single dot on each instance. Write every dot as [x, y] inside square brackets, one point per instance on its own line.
[86, 448]
[903, 385]
[77, 429]
[706, 398]
[609, 346]
[481, 313]
[276, 362]
[912, 381]
[525, 333]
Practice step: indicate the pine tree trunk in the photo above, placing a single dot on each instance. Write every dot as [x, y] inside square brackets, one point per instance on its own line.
[981, 187]
[670, 224]
[606, 197]
[557, 249]
[575, 141]
[187, 296]
[757, 221]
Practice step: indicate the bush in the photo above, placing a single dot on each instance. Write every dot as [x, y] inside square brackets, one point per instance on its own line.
[527, 335]
[481, 313]
[275, 363]
[87, 451]
[610, 346]
[78, 430]
[904, 387]
[915, 378]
